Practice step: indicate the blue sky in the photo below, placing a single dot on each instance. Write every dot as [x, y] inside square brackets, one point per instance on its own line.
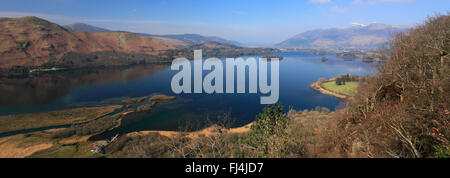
[247, 21]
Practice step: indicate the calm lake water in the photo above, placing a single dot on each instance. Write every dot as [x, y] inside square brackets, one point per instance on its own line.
[70, 89]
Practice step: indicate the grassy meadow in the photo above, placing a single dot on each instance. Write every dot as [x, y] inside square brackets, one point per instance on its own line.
[349, 89]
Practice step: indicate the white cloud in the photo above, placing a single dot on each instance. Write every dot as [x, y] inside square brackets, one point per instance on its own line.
[320, 1]
[337, 9]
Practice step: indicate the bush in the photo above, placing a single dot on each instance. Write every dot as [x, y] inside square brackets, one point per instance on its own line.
[268, 136]
[442, 152]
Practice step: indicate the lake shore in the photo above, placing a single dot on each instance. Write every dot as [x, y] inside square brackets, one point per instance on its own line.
[319, 87]
[209, 131]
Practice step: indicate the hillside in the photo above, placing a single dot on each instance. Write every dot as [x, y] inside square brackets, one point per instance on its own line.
[356, 36]
[31, 42]
[404, 110]
[85, 28]
[82, 27]
[183, 40]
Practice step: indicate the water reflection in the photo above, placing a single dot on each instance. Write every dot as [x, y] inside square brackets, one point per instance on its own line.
[43, 88]
[78, 88]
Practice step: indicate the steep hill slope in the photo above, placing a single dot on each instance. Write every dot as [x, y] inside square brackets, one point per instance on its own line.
[31, 41]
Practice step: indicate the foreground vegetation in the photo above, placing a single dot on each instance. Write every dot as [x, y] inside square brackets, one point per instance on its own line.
[275, 133]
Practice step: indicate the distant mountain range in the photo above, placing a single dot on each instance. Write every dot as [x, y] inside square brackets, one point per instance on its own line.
[189, 39]
[194, 39]
[358, 36]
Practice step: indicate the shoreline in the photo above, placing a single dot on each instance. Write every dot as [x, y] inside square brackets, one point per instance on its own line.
[208, 131]
[318, 87]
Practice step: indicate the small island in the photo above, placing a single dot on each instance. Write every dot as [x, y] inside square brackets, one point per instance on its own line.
[342, 86]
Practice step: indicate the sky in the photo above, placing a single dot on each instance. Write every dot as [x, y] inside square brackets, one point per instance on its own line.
[253, 22]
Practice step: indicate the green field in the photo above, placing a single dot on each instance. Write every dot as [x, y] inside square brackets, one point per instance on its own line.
[349, 89]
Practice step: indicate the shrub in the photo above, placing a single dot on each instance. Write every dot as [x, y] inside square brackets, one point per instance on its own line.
[442, 152]
[268, 136]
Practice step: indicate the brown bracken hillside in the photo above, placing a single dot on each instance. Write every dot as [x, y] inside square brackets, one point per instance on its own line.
[31, 41]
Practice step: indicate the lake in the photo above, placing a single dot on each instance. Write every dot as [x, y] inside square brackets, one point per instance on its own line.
[96, 87]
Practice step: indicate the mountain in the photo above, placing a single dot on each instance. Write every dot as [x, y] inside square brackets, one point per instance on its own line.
[188, 39]
[356, 36]
[93, 29]
[33, 42]
[85, 28]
